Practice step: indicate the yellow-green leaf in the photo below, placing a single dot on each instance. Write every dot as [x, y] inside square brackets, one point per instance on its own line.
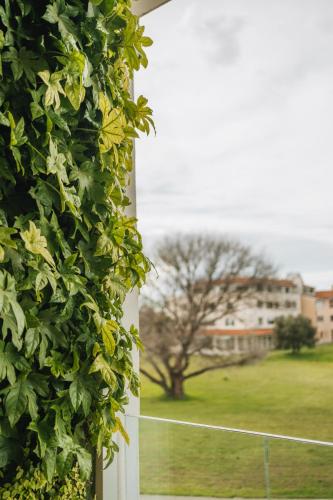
[113, 125]
[54, 88]
[6, 237]
[36, 243]
[101, 365]
[119, 427]
[75, 92]
[106, 327]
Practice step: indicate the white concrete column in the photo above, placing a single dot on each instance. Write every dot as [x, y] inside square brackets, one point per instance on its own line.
[121, 479]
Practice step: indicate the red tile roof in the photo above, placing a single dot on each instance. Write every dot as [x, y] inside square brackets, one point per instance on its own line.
[324, 294]
[240, 332]
[243, 280]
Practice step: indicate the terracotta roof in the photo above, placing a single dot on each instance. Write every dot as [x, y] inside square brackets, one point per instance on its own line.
[240, 332]
[243, 280]
[324, 294]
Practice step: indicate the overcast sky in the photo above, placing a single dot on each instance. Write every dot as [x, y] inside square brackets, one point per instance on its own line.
[242, 92]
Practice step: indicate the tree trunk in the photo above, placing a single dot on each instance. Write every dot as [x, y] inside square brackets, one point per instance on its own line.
[177, 387]
[296, 348]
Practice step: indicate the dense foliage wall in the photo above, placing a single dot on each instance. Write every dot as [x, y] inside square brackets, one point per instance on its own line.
[68, 252]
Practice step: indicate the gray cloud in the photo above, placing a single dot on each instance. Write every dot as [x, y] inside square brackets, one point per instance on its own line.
[221, 38]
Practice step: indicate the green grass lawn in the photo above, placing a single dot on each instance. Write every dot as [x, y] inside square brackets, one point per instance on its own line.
[282, 394]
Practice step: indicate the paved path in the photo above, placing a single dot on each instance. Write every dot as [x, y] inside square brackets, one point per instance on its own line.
[164, 497]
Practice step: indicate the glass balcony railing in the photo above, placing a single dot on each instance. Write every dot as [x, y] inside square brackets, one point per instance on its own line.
[181, 459]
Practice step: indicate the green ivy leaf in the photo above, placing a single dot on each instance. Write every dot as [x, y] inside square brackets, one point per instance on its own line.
[50, 461]
[6, 234]
[22, 61]
[70, 199]
[4, 121]
[110, 240]
[58, 120]
[56, 163]
[85, 461]
[57, 13]
[7, 358]
[79, 394]
[32, 341]
[17, 139]
[10, 358]
[36, 110]
[10, 310]
[20, 398]
[9, 451]
[44, 277]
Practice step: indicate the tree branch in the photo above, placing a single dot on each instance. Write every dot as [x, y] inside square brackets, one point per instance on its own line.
[226, 364]
[154, 379]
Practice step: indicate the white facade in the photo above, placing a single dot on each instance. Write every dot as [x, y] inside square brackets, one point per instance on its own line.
[250, 328]
[270, 300]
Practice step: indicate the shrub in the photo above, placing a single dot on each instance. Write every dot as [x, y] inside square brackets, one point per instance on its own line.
[294, 333]
[31, 484]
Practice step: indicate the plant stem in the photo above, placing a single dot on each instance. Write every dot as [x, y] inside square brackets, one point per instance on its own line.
[87, 130]
[36, 151]
[52, 187]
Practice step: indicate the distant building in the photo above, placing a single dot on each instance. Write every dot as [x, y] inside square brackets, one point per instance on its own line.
[250, 328]
[324, 309]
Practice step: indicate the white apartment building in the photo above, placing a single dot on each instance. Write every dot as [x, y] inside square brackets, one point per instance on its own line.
[251, 326]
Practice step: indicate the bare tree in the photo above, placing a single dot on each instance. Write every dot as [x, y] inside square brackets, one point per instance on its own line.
[201, 279]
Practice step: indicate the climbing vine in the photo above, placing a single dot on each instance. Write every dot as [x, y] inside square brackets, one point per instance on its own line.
[69, 254]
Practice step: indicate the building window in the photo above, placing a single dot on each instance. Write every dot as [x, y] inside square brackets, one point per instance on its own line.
[269, 305]
[260, 303]
[331, 302]
[287, 289]
[271, 321]
[331, 318]
[260, 321]
[229, 322]
[320, 318]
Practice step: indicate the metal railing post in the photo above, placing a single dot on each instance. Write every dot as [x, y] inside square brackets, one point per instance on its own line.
[266, 467]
